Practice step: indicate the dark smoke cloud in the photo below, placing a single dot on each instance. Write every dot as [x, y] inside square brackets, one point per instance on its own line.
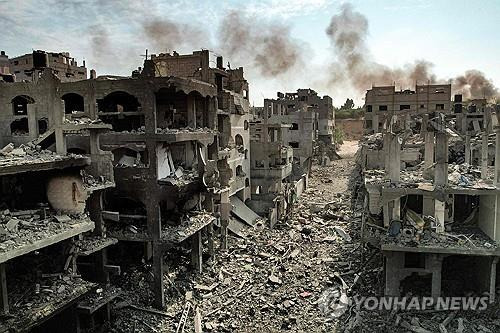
[166, 35]
[270, 46]
[348, 31]
[473, 84]
[99, 41]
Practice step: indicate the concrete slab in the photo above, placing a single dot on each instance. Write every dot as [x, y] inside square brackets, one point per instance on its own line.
[242, 211]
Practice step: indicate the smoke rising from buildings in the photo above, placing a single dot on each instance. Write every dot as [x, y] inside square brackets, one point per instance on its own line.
[270, 46]
[166, 35]
[348, 31]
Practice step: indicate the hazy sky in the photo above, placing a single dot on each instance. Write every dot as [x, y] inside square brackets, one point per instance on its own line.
[110, 35]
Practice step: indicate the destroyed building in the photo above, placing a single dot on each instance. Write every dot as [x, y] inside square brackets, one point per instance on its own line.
[179, 138]
[271, 171]
[432, 212]
[302, 133]
[382, 102]
[28, 67]
[53, 244]
[307, 99]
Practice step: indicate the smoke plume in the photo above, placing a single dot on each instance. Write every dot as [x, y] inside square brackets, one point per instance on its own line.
[348, 31]
[166, 35]
[473, 84]
[270, 46]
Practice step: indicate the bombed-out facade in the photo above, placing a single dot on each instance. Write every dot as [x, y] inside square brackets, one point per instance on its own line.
[431, 183]
[150, 168]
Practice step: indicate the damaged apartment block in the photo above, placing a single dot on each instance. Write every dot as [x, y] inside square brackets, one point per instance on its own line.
[171, 144]
[284, 135]
[53, 258]
[108, 176]
[431, 173]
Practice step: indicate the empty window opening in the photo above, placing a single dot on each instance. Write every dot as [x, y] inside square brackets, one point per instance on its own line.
[240, 172]
[73, 103]
[20, 104]
[382, 107]
[294, 144]
[238, 140]
[118, 101]
[122, 111]
[295, 126]
[43, 125]
[126, 157]
[19, 127]
[404, 107]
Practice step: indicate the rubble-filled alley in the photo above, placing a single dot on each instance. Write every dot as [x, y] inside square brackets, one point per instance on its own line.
[270, 280]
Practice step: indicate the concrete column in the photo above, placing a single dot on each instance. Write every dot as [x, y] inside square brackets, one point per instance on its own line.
[435, 263]
[429, 149]
[158, 271]
[191, 111]
[439, 214]
[196, 252]
[32, 121]
[497, 158]
[394, 262]
[467, 148]
[387, 215]
[493, 279]
[387, 154]
[4, 299]
[210, 235]
[375, 123]
[394, 158]
[484, 155]
[58, 122]
[423, 128]
[441, 169]
[428, 206]
[225, 209]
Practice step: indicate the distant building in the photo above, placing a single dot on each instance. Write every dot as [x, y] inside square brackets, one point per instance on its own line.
[383, 101]
[28, 67]
[5, 74]
[308, 99]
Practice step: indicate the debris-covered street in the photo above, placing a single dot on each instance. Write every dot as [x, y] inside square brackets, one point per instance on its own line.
[283, 279]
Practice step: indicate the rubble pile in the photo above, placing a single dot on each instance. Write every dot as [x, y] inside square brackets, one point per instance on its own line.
[270, 280]
[82, 121]
[373, 141]
[90, 181]
[33, 300]
[29, 153]
[19, 228]
[185, 130]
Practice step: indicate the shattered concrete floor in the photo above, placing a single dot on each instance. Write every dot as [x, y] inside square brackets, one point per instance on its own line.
[294, 278]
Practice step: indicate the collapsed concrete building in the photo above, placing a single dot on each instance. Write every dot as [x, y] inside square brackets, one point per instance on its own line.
[157, 163]
[29, 67]
[430, 207]
[53, 241]
[284, 136]
[174, 141]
